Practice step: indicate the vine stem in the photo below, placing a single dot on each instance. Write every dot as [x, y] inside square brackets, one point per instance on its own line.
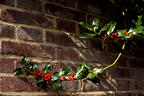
[119, 55]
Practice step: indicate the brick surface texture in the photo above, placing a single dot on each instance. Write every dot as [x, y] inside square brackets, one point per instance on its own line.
[48, 31]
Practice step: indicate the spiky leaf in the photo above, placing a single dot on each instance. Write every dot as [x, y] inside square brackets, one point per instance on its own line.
[17, 71]
[46, 68]
[87, 35]
[64, 71]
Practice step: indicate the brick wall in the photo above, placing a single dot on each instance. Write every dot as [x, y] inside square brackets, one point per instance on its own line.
[47, 31]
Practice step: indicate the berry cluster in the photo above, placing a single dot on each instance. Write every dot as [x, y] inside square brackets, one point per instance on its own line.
[71, 78]
[47, 77]
[112, 36]
[38, 74]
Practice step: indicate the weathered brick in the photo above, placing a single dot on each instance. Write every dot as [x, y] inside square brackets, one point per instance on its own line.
[21, 17]
[71, 86]
[105, 85]
[67, 54]
[6, 30]
[137, 85]
[96, 44]
[55, 67]
[6, 65]
[29, 34]
[34, 5]
[65, 25]
[14, 84]
[17, 84]
[65, 13]
[7, 2]
[69, 3]
[22, 49]
[122, 61]
[59, 38]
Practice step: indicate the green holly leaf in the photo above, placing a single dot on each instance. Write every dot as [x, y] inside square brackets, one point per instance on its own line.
[23, 62]
[84, 25]
[87, 35]
[40, 81]
[139, 21]
[82, 71]
[97, 70]
[55, 77]
[17, 71]
[105, 27]
[46, 68]
[123, 35]
[91, 75]
[58, 86]
[64, 71]
[96, 23]
[111, 27]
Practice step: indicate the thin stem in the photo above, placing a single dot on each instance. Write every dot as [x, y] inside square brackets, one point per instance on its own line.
[116, 58]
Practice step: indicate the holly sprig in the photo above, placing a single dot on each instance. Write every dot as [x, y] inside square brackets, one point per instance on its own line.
[45, 77]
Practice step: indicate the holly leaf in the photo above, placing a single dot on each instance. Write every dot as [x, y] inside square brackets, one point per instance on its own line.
[84, 25]
[111, 27]
[82, 71]
[64, 71]
[97, 70]
[87, 35]
[46, 68]
[39, 81]
[55, 77]
[139, 21]
[17, 71]
[91, 75]
[105, 27]
[23, 62]
[58, 86]
[96, 23]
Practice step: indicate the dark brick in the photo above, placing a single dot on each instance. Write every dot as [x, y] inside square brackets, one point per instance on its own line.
[134, 63]
[137, 85]
[29, 34]
[122, 61]
[137, 74]
[71, 86]
[69, 3]
[20, 17]
[34, 5]
[65, 25]
[96, 44]
[59, 38]
[123, 85]
[88, 7]
[7, 2]
[6, 31]
[22, 49]
[105, 85]
[65, 13]
[119, 72]
[6, 65]
[67, 54]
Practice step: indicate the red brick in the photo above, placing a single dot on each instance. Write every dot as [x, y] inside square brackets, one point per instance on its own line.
[6, 65]
[7, 2]
[22, 49]
[123, 85]
[69, 3]
[6, 31]
[122, 61]
[34, 5]
[29, 34]
[21, 17]
[65, 26]
[59, 38]
[65, 13]
[67, 54]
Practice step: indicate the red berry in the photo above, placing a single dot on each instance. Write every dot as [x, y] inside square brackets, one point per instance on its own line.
[72, 75]
[106, 35]
[99, 74]
[90, 71]
[63, 77]
[42, 72]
